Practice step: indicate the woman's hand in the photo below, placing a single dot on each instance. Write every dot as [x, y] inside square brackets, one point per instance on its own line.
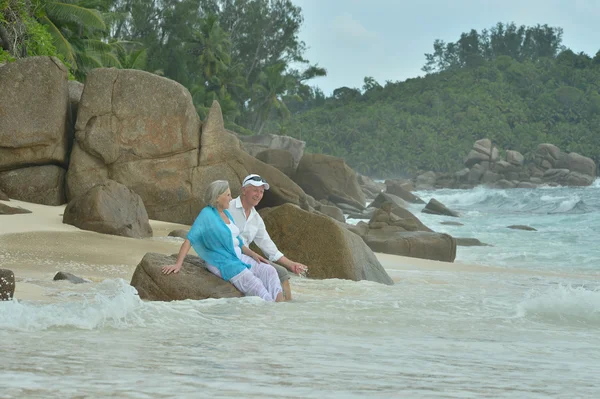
[259, 258]
[171, 269]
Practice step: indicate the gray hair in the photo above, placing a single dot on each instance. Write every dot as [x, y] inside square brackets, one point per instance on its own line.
[214, 191]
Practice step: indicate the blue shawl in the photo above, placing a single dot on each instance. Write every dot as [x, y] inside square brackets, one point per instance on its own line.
[211, 239]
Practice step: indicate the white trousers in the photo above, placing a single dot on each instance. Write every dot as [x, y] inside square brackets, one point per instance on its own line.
[260, 280]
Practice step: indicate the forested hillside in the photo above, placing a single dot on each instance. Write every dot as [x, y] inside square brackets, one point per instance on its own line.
[515, 85]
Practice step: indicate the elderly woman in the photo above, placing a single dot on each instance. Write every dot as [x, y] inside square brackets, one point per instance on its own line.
[215, 237]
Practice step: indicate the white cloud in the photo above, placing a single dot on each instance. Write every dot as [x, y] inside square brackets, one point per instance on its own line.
[346, 26]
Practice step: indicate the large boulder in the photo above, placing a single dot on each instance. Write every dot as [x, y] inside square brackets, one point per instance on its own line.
[483, 151]
[397, 189]
[3, 196]
[7, 285]
[221, 157]
[38, 184]
[326, 246]
[33, 112]
[435, 207]
[396, 240]
[384, 197]
[515, 158]
[383, 218]
[369, 185]
[109, 208]
[327, 177]
[258, 143]
[396, 212]
[140, 130]
[576, 163]
[546, 155]
[280, 159]
[193, 281]
[565, 177]
[426, 181]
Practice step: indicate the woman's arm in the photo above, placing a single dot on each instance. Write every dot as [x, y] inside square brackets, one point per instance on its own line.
[183, 251]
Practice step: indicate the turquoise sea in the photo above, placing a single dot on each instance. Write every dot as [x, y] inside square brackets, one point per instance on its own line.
[528, 326]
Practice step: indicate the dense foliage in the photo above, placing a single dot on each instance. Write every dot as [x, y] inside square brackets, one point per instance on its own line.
[516, 85]
[243, 53]
[528, 91]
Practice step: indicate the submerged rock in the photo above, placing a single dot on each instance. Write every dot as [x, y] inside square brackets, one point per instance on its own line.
[69, 277]
[452, 223]
[521, 227]
[470, 242]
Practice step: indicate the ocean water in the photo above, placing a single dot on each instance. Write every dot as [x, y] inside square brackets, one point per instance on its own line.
[527, 328]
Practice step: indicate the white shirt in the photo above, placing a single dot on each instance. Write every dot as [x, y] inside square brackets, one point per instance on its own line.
[253, 229]
[235, 232]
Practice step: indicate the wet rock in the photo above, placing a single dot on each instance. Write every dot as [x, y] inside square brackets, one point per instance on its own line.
[69, 277]
[181, 233]
[435, 207]
[192, 282]
[470, 242]
[10, 210]
[521, 227]
[452, 223]
[416, 244]
[398, 190]
[7, 285]
[382, 198]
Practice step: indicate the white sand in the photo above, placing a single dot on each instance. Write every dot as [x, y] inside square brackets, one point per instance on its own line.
[35, 246]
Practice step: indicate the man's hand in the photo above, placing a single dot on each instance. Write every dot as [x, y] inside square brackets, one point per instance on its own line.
[298, 268]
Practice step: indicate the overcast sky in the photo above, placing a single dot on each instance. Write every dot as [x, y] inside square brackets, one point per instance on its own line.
[387, 39]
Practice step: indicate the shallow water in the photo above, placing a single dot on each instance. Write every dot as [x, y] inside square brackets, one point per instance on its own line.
[516, 332]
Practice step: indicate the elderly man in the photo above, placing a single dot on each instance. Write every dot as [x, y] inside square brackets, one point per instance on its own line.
[252, 229]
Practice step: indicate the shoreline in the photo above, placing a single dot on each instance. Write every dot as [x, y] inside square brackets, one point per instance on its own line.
[37, 245]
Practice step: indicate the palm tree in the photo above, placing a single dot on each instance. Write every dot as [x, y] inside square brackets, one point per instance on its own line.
[77, 31]
[272, 84]
[212, 46]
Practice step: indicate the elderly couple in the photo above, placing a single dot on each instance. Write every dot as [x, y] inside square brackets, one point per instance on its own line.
[222, 233]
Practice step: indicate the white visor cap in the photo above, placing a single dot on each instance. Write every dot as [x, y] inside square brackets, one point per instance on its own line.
[255, 180]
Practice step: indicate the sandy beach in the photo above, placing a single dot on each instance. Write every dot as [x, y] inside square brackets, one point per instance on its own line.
[37, 245]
